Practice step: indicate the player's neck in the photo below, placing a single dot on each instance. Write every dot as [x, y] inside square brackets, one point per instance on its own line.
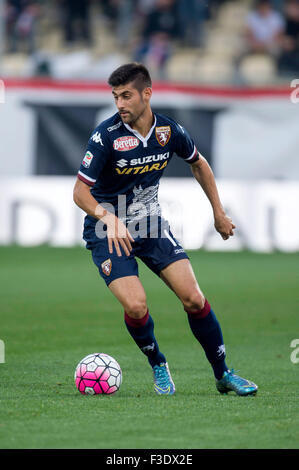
[144, 123]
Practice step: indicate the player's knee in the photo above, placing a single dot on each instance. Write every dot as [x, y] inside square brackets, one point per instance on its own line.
[193, 301]
[137, 308]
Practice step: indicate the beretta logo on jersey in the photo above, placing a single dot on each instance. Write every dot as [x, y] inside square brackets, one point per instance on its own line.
[87, 159]
[123, 144]
[163, 134]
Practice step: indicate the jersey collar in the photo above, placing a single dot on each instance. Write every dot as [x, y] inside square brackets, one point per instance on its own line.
[139, 136]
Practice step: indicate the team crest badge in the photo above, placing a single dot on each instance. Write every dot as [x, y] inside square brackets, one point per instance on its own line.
[163, 135]
[106, 267]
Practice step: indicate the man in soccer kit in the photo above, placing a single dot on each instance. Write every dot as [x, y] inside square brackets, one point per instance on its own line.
[117, 186]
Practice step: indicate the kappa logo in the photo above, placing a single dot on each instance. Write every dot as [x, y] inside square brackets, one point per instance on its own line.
[96, 137]
[87, 159]
[163, 135]
[123, 144]
[106, 267]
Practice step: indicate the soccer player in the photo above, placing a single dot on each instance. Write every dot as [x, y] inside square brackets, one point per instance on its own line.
[117, 186]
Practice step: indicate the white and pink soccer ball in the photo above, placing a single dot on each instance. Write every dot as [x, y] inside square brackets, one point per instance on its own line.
[98, 373]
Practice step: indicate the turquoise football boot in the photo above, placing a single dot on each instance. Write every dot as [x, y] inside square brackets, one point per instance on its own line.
[232, 382]
[163, 383]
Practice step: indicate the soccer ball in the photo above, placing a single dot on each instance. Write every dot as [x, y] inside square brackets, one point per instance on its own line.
[98, 373]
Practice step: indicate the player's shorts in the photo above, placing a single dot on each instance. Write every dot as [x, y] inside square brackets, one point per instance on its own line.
[156, 253]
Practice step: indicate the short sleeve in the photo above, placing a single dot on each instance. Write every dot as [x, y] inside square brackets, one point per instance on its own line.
[95, 158]
[184, 146]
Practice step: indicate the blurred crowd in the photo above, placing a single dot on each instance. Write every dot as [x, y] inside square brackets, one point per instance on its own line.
[20, 20]
[272, 28]
[180, 19]
[152, 27]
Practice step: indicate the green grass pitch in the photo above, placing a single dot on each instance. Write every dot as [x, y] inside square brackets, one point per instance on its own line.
[55, 309]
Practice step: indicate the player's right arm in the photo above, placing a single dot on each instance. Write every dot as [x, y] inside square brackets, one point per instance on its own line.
[93, 163]
[117, 233]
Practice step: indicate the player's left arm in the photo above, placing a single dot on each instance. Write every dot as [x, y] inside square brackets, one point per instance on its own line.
[205, 177]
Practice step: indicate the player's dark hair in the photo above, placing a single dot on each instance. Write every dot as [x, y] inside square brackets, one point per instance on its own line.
[131, 73]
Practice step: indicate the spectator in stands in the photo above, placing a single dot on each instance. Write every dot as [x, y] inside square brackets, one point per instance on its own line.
[263, 34]
[264, 29]
[289, 59]
[145, 6]
[109, 8]
[124, 15]
[161, 27]
[20, 18]
[192, 14]
[76, 20]
[278, 5]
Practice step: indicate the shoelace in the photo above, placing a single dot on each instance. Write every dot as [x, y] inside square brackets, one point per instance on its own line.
[237, 379]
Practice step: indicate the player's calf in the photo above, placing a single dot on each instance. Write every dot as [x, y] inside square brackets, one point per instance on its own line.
[142, 331]
[206, 329]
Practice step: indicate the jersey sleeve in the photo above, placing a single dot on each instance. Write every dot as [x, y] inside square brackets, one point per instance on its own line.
[184, 146]
[95, 158]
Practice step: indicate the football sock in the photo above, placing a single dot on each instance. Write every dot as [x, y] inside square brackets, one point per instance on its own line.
[207, 331]
[142, 331]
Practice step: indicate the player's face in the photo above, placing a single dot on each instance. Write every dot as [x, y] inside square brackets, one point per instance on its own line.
[130, 102]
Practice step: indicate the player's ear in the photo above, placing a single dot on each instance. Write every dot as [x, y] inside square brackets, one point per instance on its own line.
[147, 93]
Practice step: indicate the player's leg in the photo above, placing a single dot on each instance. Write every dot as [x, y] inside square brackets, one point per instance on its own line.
[179, 276]
[121, 275]
[202, 320]
[130, 293]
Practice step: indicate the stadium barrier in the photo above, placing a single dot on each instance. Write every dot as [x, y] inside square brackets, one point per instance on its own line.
[37, 210]
[243, 133]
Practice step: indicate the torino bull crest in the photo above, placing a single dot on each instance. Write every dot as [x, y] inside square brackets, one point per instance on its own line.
[163, 134]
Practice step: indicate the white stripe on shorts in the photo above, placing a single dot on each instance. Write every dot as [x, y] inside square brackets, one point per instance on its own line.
[170, 238]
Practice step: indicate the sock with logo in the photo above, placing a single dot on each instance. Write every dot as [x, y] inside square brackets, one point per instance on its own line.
[207, 331]
[142, 331]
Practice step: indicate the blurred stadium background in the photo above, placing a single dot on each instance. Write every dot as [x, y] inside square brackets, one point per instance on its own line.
[229, 72]
[226, 70]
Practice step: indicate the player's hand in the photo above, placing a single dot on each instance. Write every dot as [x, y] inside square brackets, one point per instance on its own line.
[224, 225]
[117, 234]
